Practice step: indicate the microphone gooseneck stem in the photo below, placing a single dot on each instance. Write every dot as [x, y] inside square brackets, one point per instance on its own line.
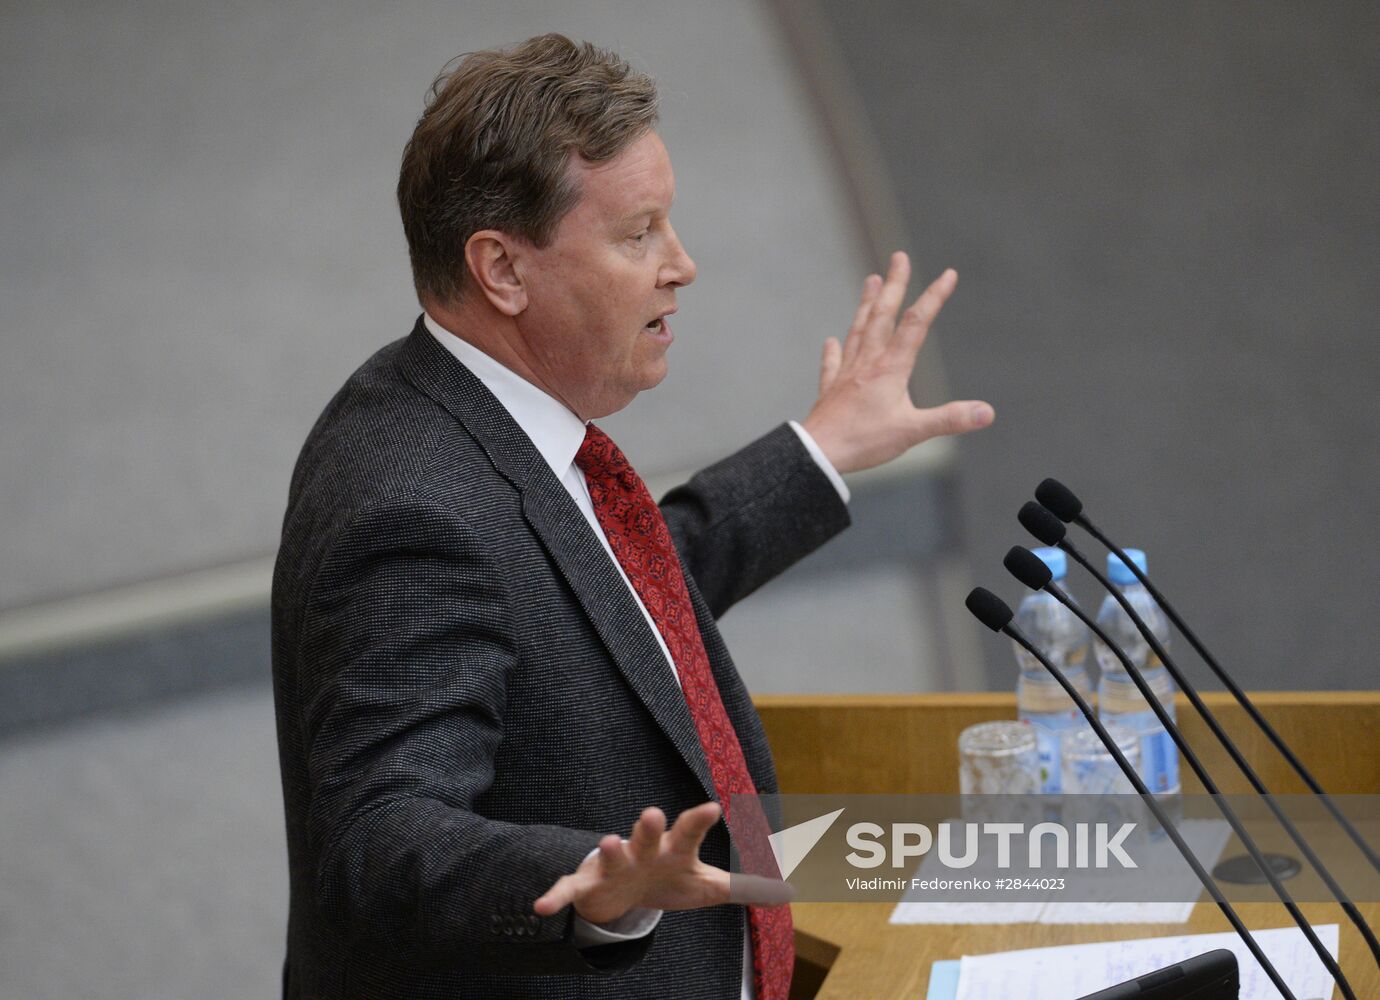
[1149, 799]
[1191, 692]
[1228, 813]
[1241, 697]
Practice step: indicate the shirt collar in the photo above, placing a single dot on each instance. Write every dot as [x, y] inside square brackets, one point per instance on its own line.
[556, 432]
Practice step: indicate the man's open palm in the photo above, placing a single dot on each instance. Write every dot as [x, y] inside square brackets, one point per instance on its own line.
[864, 415]
[655, 868]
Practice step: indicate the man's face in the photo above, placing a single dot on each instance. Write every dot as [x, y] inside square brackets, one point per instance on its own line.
[598, 294]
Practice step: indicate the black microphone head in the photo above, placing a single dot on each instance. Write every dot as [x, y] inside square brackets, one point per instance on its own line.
[1041, 523]
[989, 609]
[1059, 500]
[1027, 567]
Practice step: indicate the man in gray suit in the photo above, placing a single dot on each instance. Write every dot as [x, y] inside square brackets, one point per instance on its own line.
[494, 657]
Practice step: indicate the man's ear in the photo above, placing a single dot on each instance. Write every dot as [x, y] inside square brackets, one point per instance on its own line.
[489, 259]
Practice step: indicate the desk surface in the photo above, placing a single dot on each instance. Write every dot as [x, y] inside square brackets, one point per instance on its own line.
[905, 744]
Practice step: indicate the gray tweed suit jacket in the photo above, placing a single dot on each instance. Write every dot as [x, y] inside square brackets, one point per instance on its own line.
[468, 697]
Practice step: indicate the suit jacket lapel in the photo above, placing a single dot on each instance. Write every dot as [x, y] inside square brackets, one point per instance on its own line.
[615, 615]
[567, 536]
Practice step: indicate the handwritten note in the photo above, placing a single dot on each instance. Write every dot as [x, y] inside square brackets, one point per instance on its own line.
[1074, 970]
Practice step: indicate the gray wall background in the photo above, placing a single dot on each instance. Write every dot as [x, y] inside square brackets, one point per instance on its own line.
[1167, 225]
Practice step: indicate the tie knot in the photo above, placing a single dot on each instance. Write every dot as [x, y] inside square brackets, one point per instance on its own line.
[599, 457]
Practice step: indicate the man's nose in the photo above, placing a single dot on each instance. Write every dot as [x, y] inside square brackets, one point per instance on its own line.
[679, 269]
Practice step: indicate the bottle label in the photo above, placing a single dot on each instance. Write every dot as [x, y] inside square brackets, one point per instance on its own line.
[1159, 757]
[1048, 726]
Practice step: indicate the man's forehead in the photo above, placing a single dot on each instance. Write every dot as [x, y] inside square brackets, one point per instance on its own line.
[637, 182]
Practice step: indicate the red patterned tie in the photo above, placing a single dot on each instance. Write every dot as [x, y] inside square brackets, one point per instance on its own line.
[638, 535]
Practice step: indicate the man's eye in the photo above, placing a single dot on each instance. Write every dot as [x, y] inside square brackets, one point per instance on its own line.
[638, 237]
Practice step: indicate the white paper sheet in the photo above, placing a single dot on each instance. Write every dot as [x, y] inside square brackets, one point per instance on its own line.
[967, 913]
[1074, 970]
[1116, 913]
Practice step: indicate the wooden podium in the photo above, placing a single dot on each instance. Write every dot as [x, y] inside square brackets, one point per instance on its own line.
[908, 744]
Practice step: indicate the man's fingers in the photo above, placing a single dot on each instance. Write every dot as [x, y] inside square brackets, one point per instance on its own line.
[613, 854]
[645, 842]
[915, 322]
[720, 883]
[754, 890]
[881, 322]
[829, 364]
[872, 285]
[559, 896]
[958, 417]
[691, 826]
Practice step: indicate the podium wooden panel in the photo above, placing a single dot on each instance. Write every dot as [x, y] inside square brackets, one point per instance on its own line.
[907, 744]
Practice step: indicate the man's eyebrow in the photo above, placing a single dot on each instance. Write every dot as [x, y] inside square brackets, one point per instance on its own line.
[640, 213]
[650, 209]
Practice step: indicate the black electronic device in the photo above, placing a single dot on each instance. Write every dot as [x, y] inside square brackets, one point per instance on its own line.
[1210, 976]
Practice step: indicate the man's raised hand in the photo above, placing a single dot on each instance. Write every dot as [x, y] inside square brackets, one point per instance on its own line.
[864, 415]
[657, 869]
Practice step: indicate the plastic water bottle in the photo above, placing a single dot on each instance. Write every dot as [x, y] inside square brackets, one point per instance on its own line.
[1118, 698]
[1040, 700]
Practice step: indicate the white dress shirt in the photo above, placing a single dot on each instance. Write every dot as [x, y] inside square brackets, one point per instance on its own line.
[557, 434]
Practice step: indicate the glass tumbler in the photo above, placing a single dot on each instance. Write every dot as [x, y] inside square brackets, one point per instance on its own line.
[1088, 768]
[996, 758]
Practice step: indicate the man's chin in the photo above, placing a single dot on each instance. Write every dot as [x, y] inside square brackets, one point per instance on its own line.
[649, 377]
[649, 369]
[656, 373]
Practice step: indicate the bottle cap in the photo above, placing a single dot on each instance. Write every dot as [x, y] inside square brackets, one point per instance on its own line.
[1119, 573]
[1055, 559]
